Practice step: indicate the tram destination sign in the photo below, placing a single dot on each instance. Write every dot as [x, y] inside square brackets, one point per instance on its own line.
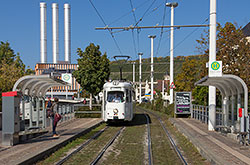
[183, 102]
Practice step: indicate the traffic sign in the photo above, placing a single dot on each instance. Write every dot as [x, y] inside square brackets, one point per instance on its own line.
[172, 86]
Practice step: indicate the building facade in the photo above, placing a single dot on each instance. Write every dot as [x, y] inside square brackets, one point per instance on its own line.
[59, 68]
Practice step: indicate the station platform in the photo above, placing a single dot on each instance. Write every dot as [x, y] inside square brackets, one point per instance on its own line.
[36, 148]
[214, 146]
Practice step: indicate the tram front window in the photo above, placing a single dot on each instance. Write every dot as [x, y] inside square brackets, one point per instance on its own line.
[115, 97]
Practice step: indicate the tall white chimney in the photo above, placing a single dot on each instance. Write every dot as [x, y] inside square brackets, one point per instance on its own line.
[67, 33]
[55, 32]
[43, 32]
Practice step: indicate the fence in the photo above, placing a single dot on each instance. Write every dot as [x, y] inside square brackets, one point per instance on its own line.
[200, 112]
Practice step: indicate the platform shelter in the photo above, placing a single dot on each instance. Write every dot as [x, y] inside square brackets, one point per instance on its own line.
[24, 108]
[234, 93]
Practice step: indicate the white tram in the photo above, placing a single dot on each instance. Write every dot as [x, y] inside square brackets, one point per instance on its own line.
[118, 101]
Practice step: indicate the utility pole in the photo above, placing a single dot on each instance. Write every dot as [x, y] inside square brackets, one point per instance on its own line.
[212, 58]
[133, 72]
[152, 66]
[140, 54]
[172, 5]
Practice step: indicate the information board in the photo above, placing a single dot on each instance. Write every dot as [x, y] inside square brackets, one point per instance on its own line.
[182, 102]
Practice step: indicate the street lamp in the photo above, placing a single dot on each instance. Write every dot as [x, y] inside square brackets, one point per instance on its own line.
[152, 67]
[172, 5]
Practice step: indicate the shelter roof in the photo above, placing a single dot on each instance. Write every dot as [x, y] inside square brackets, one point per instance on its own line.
[228, 85]
[37, 85]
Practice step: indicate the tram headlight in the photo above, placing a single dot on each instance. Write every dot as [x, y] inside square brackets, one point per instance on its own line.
[115, 111]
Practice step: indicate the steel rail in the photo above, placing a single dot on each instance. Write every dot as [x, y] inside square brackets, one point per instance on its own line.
[169, 137]
[150, 159]
[77, 149]
[99, 156]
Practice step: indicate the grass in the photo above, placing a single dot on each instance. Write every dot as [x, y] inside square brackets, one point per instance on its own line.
[62, 152]
[88, 153]
[189, 151]
[161, 148]
[129, 147]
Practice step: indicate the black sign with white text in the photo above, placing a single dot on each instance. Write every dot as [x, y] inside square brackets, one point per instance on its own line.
[183, 102]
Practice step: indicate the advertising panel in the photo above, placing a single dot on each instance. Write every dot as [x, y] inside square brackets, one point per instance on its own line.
[183, 102]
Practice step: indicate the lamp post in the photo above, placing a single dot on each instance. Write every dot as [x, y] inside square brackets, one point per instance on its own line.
[152, 67]
[140, 54]
[172, 5]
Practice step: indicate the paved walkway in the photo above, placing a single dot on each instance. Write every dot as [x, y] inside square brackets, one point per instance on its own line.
[214, 146]
[32, 150]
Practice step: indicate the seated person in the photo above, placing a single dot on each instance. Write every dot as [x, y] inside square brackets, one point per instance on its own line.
[117, 99]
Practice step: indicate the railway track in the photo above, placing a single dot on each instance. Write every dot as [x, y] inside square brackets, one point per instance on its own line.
[168, 135]
[80, 147]
[99, 156]
[150, 162]
[149, 158]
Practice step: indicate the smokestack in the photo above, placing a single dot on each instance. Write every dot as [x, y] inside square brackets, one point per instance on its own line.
[67, 33]
[43, 32]
[55, 32]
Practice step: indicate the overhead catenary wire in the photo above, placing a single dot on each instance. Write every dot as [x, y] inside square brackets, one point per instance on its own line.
[124, 15]
[133, 36]
[113, 37]
[161, 34]
[145, 13]
[187, 36]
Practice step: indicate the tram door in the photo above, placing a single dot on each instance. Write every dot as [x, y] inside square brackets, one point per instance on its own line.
[128, 104]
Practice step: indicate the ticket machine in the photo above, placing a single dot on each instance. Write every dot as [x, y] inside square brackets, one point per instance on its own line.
[10, 117]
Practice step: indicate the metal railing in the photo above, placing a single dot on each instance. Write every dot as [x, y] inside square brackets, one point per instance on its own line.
[200, 112]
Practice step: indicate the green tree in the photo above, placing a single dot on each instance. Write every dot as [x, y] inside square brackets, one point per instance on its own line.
[6, 53]
[233, 50]
[186, 79]
[11, 68]
[93, 70]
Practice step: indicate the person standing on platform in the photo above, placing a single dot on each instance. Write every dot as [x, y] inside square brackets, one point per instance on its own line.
[55, 108]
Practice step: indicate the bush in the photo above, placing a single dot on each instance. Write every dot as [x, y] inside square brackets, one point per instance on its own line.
[169, 110]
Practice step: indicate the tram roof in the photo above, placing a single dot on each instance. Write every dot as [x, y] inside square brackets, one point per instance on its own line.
[115, 83]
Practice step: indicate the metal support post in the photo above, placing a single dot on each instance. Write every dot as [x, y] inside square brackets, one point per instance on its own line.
[172, 5]
[23, 108]
[152, 67]
[37, 111]
[212, 57]
[162, 89]
[44, 113]
[225, 111]
[134, 73]
[232, 109]
[140, 77]
[31, 111]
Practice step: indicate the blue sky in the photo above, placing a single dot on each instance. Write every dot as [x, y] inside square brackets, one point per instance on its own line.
[20, 23]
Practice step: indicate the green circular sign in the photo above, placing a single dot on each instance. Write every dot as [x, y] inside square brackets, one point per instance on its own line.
[66, 77]
[215, 65]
